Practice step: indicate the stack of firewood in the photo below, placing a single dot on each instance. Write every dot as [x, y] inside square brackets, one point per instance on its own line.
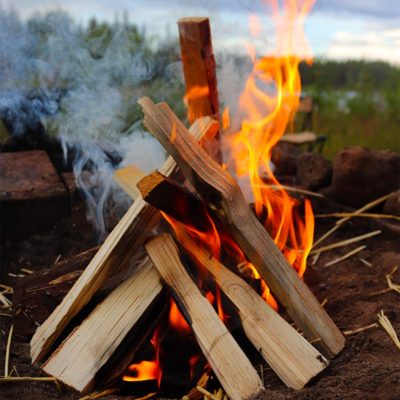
[77, 358]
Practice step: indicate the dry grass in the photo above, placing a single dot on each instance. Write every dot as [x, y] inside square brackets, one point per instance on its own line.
[345, 242]
[346, 256]
[388, 327]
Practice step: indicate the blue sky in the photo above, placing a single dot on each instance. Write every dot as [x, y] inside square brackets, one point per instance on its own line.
[339, 29]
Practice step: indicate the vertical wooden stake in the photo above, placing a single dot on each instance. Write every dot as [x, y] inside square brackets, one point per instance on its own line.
[200, 75]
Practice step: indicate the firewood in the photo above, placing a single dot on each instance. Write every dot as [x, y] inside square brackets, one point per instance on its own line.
[90, 345]
[199, 70]
[221, 192]
[286, 351]
[231, 366]
[124, 177]
[117, 250]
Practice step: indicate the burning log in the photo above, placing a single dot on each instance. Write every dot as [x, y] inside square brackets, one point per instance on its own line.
[90, 345]
[290, 355]
[221, 193]
[200, 75]
[116, 252]
[231, 366]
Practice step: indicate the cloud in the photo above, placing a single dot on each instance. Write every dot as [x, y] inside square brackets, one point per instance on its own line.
[387, 9]
[373, 45]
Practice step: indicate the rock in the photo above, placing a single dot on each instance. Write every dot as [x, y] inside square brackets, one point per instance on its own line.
[284, 156]
[392, 204]
[361, 175]
[32, 195]
[314, 171]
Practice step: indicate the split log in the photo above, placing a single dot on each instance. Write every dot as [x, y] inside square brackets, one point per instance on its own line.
[117, 250]
[79, 358]
[199, 69]
[231, 366]
[221, 192]
[288, 353]
[128, 175]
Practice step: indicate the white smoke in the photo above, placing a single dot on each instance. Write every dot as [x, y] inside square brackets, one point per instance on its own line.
[100, 79]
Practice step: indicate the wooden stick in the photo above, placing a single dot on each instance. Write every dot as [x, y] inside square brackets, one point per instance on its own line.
[221, 192]
[293, 359]
[345, 242]
[288, 353]
[117, 250]
[90, 345]
[231, 366]
[200, 75]
[125, 176]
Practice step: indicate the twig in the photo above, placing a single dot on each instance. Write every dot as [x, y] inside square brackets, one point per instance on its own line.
[388, 327]
[27, 379]
[345, 242]
[358, 330]
[358, 215]
[7, 360]
[206, 393]
[343, 220]
[324, 302]
[347, 255]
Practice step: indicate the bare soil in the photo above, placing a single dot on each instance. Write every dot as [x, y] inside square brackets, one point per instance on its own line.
[368, 367]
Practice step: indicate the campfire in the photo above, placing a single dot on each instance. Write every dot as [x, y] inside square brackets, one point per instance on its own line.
[218, 266]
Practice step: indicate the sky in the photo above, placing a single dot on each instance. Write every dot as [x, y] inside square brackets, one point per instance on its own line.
[335, 29]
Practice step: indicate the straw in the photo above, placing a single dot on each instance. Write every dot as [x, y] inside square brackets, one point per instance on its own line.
[347, 255]
[7, 360]
[388, 327]
[359, 211]
[358, 215]
[345, 242]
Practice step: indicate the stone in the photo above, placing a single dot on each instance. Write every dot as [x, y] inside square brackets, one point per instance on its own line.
[314, 171]
[361, 175]
[284, 157]
[392, 204]
[32, 195]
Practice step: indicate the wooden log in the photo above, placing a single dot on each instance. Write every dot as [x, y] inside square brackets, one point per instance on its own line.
[128, 175]
[117, 250]
[231, 366]
[79, 358]
[220, 191]
[287, 352]
[199, 70]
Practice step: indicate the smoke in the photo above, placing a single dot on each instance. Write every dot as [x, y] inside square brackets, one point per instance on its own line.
[81, 86]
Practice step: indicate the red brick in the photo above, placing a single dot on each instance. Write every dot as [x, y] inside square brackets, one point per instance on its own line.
[32, 196]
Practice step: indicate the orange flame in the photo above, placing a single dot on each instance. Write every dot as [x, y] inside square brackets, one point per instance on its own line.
[176, 319]
[269, 102]
[147, 370]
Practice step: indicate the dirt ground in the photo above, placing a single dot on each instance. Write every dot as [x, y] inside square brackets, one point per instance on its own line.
[368, 367]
